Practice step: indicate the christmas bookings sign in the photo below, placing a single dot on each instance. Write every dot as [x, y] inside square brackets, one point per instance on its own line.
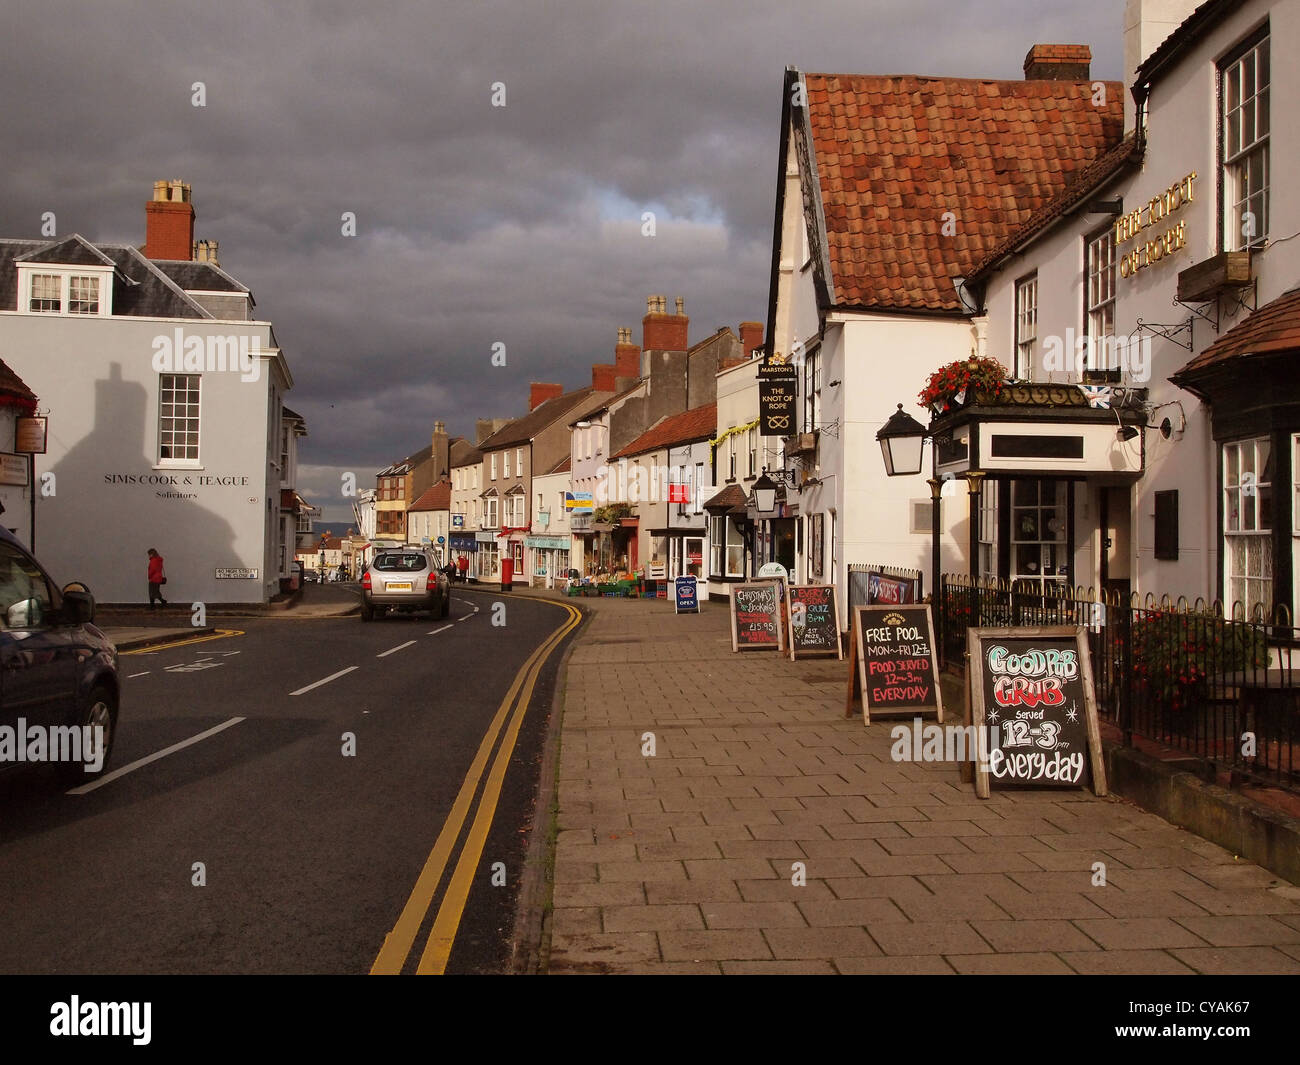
[1033, 706]
[756, 617]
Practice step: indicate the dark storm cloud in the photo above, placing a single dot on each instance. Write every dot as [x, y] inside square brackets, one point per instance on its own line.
[475, 224]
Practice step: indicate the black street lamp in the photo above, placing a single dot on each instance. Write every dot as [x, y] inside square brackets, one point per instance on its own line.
[902, 442]
[764, 490]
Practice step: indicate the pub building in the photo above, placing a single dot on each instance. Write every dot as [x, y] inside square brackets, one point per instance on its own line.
[1154, 445]
[1145, 436]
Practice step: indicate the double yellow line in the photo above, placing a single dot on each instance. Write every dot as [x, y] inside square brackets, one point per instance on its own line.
[399, 942]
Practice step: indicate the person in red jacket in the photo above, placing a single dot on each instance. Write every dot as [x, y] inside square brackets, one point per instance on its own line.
[462, 564]
[157, 578]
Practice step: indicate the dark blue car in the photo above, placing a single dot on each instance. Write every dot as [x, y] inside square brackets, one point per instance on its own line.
[58, 671]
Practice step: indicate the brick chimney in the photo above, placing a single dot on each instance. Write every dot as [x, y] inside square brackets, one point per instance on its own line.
[627, 356]
[169, 222]
[539, 393]
[603, 376]
[441, 452]
[751, 336]
[661, 331]
[1058, 62]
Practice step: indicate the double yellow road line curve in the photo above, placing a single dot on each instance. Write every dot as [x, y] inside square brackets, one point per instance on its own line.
[437, 949]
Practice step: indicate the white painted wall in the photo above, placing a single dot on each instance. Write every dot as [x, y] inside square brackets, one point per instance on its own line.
[96, 377]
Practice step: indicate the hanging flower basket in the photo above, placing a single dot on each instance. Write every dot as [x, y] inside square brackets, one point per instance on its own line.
[962, 382]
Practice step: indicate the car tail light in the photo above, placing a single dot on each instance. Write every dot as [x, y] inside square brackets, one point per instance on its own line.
[365, 580]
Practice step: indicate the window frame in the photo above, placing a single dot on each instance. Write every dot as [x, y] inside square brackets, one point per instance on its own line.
[1096, 354]
[1026, 341]
[171, 461]
[1230, 162]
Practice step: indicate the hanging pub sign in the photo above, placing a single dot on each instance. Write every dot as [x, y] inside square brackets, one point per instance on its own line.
[892, 662]
[756, 617]
[814, 621]
[29, 434]
[778, 384]
[686, 596]
[1032, 704]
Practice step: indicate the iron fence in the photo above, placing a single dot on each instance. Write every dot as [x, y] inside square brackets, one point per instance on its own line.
[1223, 688]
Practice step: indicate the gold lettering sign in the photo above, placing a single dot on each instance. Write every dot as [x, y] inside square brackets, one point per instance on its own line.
[1156, 209]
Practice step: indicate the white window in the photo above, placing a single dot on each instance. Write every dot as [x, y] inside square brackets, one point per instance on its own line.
[988, 510]
[1245, 139]
[519, 461]
[83, 295]
[812, 390]
[731, 454]
[697, 490]
[490, 512]
[494, 465]
[753, 451]
[47, 290]
[505, 464]
[1100, 322]
[1248, 525]
[178, 418]
[1026, 326]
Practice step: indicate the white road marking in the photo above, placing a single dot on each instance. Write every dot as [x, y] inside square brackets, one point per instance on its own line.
[436, 631]
[394, 650]
[144, 674]
[84, 788]
[332, 676]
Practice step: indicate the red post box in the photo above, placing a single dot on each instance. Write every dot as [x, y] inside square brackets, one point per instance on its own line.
[507, 573]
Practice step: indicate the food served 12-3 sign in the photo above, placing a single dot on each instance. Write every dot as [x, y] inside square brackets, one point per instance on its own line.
[897, 669]
[1033, 708]
[756, 617]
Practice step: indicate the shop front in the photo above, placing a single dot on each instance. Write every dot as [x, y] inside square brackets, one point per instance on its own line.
[548, 560]
[486, 565]
[463, 544]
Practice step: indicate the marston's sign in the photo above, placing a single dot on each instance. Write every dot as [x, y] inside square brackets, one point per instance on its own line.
[778, 384]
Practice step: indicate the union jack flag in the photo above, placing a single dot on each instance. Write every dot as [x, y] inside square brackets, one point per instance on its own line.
[1097, 395]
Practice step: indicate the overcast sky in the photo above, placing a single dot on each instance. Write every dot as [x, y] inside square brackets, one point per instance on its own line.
[475, 224]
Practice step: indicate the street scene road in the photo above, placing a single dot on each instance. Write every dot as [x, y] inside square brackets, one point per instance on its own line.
[308, 851]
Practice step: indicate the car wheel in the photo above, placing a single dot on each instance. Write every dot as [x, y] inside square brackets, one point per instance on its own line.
[100, 713]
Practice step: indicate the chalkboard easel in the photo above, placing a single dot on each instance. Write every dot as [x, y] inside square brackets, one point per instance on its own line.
[819, 633]
[893, 668]
[1031, 700]
[758, 616]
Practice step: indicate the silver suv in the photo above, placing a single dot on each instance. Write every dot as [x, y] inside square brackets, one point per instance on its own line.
[404, 578]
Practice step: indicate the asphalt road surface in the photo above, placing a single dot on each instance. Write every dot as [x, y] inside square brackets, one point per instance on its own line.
[308, 857]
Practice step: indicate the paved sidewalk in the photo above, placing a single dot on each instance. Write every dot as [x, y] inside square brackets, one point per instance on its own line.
[687, 862]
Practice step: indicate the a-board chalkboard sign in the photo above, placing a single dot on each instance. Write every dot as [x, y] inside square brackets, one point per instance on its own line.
[1032, 704]
[896, 663]
[814, 620]
[686, 596]
[756, 617]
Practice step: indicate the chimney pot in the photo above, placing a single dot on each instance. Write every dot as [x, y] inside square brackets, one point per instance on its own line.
[681, 305]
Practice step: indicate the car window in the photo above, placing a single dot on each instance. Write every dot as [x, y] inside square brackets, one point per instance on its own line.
[400, 561]
[21, 580]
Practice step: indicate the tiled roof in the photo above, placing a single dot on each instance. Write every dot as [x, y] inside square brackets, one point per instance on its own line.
[14, 388]
[521, 430]
[697, 424]
[1273, 328]
[198, 276]
[1092, 177]
[436, 498]
[728, 499]
[894, 153]
[564, 465]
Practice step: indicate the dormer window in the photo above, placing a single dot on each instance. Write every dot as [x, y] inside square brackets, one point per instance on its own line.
[67, 292]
